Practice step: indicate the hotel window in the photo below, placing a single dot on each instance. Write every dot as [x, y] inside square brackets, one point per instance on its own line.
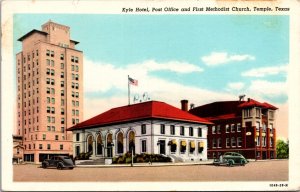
[219, 143]
[73, 112]
[62, 129]
[62, 74]
[76, 86]
[239, 127]
[52, 72]
[48, 119]
[271, 114]
[48, 80]
[247, 112]
[76, 59]
[53, 120]
[56, 137]
[77, 103]
[48, 146]
[62, 66]
[143, 129]
[62, 120]
[77, 136]
[77, 114]
[72, 67]
[257, 126]
[162, 129]
[53, 110]
[233, 142]
[62, 57]
[76, 77]
[48, 71]
[257, 112]
[182, 146]
[199, 132]
[62, 93]
[144, 146]
[52, 82]
[63, 137]
[48, 128]
[52, 63]
[62, 111]
[213, 129]
[227, 128]
[239, 141]
[72, 58]
[44, 136]
[227, 142]
[62, 84]
[264, 141]
[48, 62]
[62, 102]
[73, 76]
[48, 109]
[191, 131]
[181, 130]
[218, 129]
[61, 147]
[172, 129]
[48, 90]
[76, 68]
[40, 146]
[53, 100]
[257, 141]
[76, 94]
[47, 52]
[214, 143]
[52, 53]
[232, 128]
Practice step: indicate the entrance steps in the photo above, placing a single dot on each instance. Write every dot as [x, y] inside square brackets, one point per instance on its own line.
[99, 161]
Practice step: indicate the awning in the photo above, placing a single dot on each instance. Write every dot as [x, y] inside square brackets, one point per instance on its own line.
[174, 142]
[192, 143]
[183, 143]
[201, 144]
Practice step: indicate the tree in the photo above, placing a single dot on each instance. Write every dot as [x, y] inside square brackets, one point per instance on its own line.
[282, 149]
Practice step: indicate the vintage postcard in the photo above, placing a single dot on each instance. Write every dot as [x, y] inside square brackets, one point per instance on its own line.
[150, 95]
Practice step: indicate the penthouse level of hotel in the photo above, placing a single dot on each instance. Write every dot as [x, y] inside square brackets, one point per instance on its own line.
[150, 127]
[247, 127]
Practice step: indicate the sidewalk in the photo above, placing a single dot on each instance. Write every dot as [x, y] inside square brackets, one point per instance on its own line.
[208, 162]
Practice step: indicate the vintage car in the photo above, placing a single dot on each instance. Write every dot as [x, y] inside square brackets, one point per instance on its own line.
[59, 162]
[230, 159]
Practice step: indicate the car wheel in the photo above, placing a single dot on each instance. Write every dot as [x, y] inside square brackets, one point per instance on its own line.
[44, 165]
[243, 163]
[59, 166]
[230, 163]
[71, 167]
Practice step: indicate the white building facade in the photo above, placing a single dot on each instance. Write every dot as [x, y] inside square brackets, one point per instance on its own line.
[181, 139]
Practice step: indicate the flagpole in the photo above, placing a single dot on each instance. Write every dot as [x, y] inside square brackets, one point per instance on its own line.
[128, 90]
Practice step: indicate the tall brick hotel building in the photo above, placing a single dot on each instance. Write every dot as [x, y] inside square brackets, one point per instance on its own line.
[49, 91]
[247, 127]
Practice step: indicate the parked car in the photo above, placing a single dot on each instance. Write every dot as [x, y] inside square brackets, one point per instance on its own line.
[230, 159]
[59, 162]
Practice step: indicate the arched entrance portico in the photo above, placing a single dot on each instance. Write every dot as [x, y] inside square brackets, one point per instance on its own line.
[109, 145]
[120, 144]
[131, 141]
[99, 145]
[90, 140]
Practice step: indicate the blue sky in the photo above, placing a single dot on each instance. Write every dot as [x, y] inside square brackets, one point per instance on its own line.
[227, 54]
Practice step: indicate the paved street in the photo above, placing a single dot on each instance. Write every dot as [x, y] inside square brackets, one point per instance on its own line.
[275, 170]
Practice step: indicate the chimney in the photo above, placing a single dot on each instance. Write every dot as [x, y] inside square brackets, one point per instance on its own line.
[184, 105]
[248, 99]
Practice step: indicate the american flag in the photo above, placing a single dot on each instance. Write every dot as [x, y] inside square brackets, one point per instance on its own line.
[132, 81]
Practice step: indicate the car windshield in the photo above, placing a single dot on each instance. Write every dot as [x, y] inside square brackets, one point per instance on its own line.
[66, 157]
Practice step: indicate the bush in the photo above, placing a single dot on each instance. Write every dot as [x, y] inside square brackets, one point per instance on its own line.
[141, 158]
[83, 156]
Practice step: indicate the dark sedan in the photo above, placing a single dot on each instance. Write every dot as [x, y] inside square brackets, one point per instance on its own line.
[59, 162]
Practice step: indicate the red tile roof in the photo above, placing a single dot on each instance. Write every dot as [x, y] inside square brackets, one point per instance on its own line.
[254, 103]
[146, 110]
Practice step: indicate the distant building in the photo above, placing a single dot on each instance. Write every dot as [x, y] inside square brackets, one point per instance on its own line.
[18, 149]
[247, 127]
[150, 127]
[49, 91]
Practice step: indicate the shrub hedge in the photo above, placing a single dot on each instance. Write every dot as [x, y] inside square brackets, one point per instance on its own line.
[140, 158]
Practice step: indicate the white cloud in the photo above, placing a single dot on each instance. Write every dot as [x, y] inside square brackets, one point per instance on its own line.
[267, 88]
[235, 86]
[218, 58]
[101, 77]
[265, 71]
[104, 76]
